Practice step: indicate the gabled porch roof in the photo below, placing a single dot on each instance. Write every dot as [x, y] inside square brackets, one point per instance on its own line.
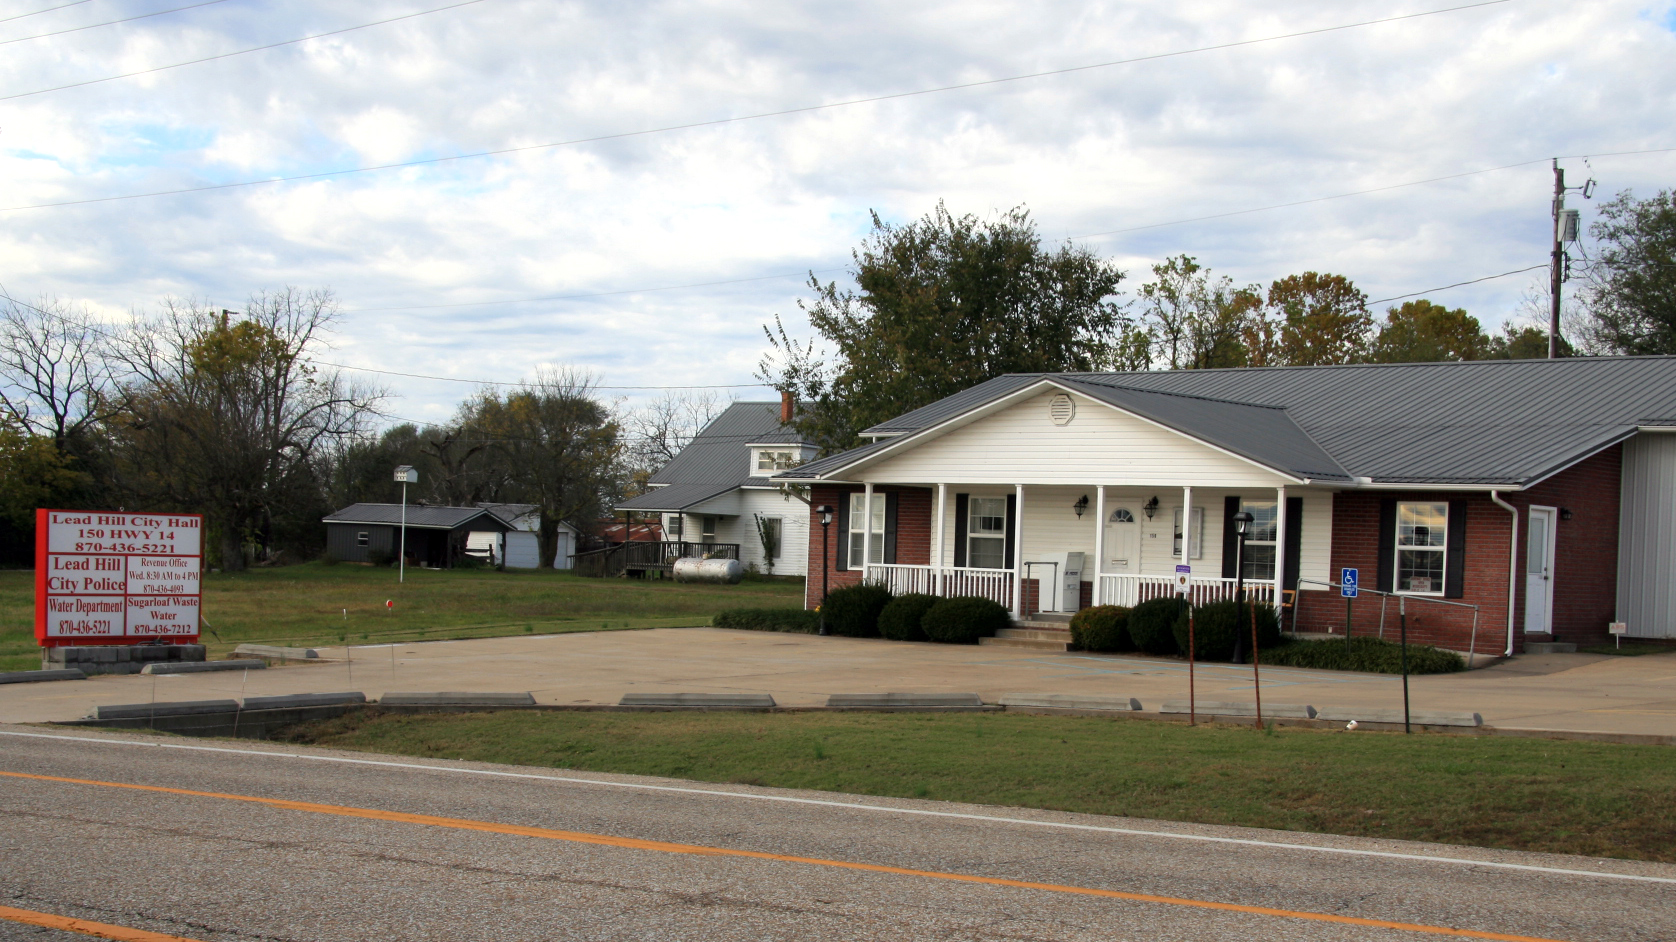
[1263, 435]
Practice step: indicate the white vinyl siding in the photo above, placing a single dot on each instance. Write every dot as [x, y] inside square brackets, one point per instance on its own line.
[1021, 445]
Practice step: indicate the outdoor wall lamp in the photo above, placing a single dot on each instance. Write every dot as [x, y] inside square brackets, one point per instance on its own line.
[1081, 506]
[1565, 513]
[1150, 507]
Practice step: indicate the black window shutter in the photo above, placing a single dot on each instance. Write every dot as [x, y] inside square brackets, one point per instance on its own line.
[891, 502]
[961, 505]
[1454, 572]
[843, 550]
[1294, 540]
[1230, 537]
[1012, 512]
[1388, 544]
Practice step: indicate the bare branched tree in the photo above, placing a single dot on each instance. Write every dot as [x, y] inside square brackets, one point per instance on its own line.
[657, 431]
[55, 369]
[226, 414]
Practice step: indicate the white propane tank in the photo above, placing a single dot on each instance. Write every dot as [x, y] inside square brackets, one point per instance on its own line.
[693, 569]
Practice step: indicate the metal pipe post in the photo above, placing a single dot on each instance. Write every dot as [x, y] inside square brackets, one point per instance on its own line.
[401, 558]
[1402, 620]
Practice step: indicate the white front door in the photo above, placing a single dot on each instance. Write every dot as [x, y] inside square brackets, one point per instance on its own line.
[1539, 571]
[1123, 541]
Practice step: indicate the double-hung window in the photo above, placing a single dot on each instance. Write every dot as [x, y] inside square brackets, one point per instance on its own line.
[859, 529]
[1422, 545]
[771, 461]
[986, 533]
[1260, 536]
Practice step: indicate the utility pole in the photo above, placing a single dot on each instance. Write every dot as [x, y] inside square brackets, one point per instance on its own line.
[1557, 273]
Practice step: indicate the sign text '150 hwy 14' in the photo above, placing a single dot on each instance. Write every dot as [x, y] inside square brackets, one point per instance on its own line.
[117, 578]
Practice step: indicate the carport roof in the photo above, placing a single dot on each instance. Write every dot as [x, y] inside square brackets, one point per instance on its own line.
[418, 515]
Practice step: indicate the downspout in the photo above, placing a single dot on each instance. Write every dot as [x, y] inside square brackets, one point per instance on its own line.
[1512, 568]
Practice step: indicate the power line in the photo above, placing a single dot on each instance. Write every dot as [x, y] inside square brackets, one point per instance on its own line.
[493, 382]
[240, 52]
[20, 16]
[597, 294]
[1459, 284]
[694, 124]
[130, 19]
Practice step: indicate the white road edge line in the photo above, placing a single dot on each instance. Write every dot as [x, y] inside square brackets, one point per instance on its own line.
[918, 812]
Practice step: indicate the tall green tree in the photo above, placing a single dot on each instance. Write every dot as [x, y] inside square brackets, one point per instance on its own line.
[1423, 332]
[942, 304]
[226, 417]
[1194, 321]
[1631, 293]
[1320, 320]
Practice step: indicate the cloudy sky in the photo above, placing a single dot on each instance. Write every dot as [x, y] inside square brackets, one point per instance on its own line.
[656, 257]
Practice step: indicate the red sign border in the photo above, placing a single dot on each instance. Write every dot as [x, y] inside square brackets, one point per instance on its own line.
[41, 554]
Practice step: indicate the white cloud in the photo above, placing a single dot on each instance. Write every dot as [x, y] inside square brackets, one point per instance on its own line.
[1088, 152]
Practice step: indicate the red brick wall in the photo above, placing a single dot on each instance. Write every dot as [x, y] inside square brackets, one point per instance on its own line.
[1585, 573]
[913, 535]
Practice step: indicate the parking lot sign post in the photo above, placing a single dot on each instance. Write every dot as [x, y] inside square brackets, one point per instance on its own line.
[1349, 583]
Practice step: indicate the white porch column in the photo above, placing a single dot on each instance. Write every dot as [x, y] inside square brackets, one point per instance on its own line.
[1279, 545]
[938, 563]
[1018, 552]
[866, 530]
[1187, 526]
[1099, 540]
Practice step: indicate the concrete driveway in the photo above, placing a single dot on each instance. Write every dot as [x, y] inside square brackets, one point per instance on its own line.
[1578, 692]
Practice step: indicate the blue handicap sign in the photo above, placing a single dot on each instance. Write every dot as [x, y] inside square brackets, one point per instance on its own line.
[1349, 581]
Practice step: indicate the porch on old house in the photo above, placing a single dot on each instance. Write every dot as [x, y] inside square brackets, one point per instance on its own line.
[1046, 551]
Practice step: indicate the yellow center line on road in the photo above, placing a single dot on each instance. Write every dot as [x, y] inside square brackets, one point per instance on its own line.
[635, 843]
[87, 927]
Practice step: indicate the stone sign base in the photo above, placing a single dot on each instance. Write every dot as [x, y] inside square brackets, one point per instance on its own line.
[117, 658]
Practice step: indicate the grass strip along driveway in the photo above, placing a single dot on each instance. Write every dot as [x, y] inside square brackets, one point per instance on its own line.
[1597, 799]
[313, 603]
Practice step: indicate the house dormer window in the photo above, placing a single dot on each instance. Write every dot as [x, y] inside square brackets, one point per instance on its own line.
[771, 460]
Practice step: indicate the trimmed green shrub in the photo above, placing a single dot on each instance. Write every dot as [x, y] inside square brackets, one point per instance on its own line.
[901, 617]
[1152, 625]
[1217, 625]
[1364, 654]
[964, 620]
[795, 620]
[1102, 628]
[854, 610]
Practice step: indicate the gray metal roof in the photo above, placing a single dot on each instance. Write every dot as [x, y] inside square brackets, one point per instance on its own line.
[418, 516]
[717, 458]
[1489, 422]
[673, 498]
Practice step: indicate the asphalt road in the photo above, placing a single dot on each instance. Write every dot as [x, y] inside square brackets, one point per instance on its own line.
[224, 841]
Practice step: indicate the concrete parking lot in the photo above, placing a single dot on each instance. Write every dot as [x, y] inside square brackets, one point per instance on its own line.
[1575, 692]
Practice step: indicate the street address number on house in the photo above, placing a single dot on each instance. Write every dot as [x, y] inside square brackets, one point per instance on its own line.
[117, 578]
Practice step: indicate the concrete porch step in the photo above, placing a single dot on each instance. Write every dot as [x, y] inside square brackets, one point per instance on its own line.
[1039, 639]
[1035, 634]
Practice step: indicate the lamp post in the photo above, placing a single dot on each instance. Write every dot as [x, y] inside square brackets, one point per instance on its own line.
[405, 475]
[1242, 522]
[825, 511]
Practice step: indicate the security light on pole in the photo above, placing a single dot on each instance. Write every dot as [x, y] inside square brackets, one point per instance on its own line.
[405, 475]
[825, 511]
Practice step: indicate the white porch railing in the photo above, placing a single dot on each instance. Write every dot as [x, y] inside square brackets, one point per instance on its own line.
[1130, 590]
[945, 581]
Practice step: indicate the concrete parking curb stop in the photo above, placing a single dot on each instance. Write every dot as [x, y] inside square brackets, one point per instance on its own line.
[909, 702]
[698, 701]
[200, 667]
[30, 677]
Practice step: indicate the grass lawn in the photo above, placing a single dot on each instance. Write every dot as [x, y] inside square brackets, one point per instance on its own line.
[315, 603]
[1598, 799]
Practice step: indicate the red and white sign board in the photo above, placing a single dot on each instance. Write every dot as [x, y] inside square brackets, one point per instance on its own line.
[117, 578]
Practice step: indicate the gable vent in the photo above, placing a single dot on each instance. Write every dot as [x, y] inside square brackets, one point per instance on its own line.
[1062, 409]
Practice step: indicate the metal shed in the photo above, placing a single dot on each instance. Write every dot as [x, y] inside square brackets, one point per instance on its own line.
[436, 536]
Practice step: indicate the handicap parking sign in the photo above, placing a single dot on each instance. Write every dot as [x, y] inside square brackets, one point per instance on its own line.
[1349, 582]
